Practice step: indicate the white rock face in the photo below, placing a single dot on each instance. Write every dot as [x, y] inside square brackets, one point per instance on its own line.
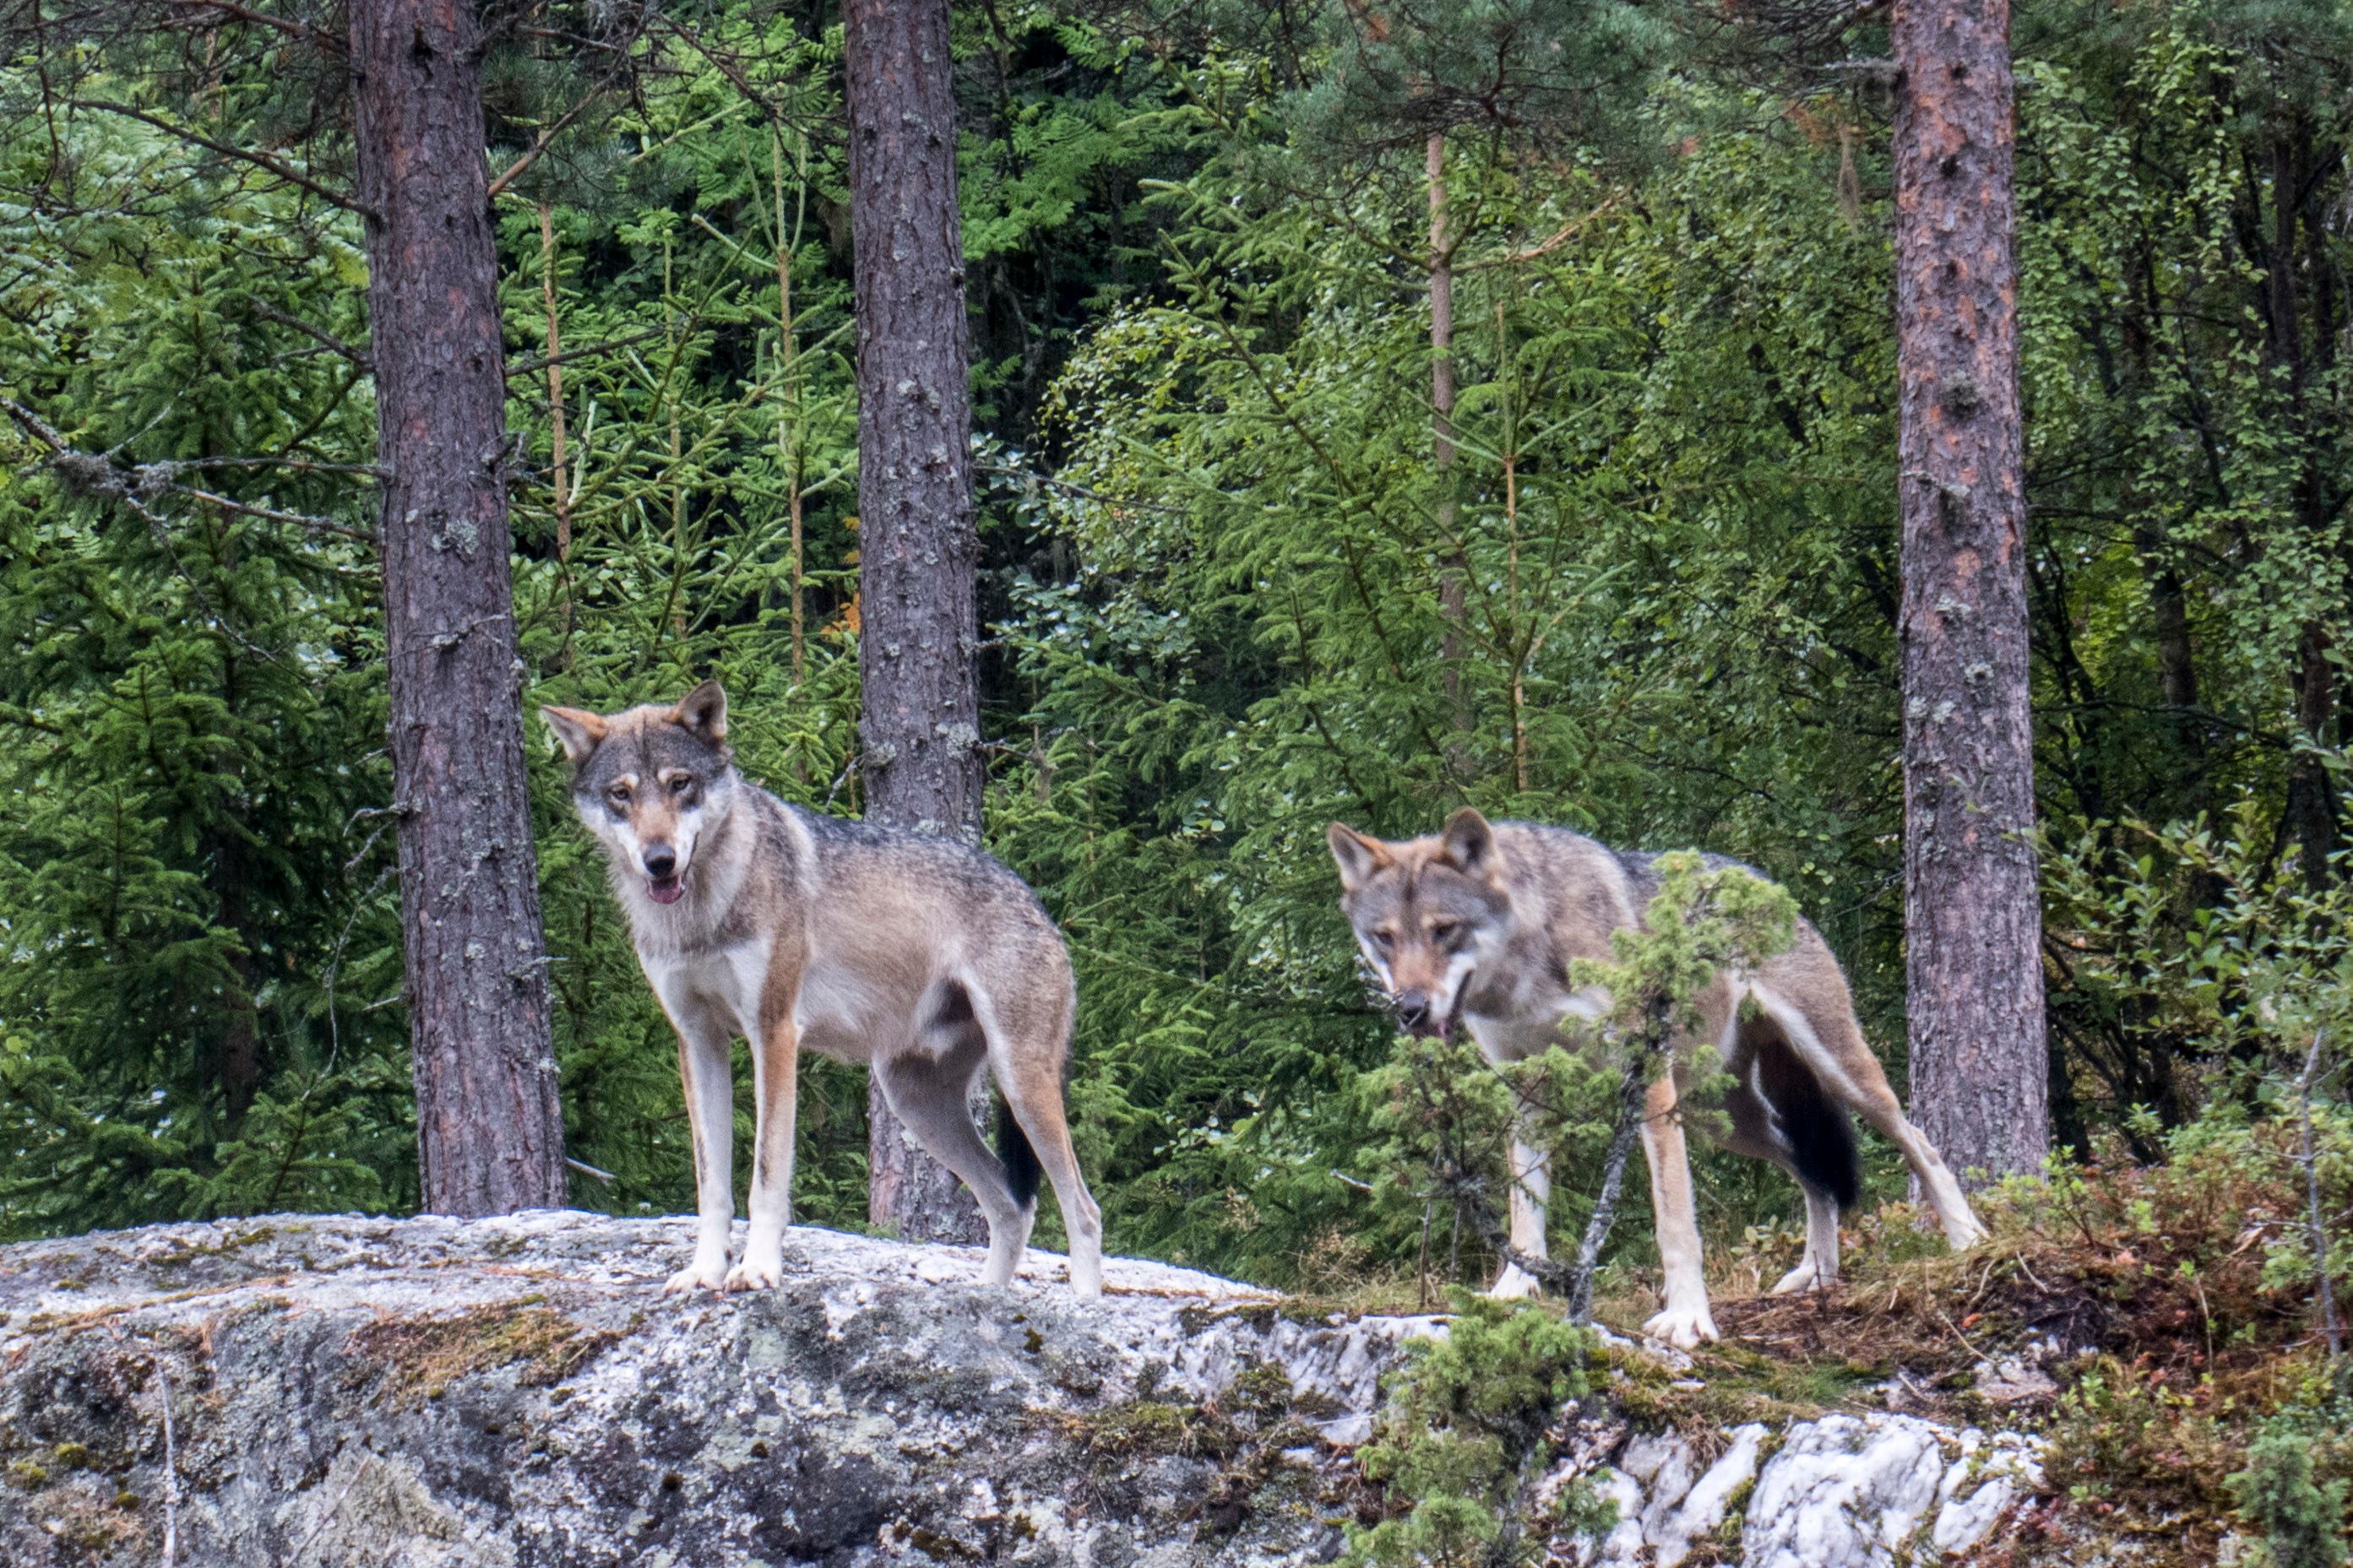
[1844, 1491]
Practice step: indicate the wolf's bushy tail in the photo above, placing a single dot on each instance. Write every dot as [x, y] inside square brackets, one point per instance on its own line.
[1021, 1161]
[1817, 1128]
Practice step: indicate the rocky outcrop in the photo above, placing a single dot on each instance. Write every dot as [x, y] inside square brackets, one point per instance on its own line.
[517, 1392]
[1844, 1491]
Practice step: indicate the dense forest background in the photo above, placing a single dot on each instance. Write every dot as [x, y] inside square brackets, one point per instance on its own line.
[1230, 589]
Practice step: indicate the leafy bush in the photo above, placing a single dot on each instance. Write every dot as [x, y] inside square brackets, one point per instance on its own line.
[2302, 1517]
[1462, 1437]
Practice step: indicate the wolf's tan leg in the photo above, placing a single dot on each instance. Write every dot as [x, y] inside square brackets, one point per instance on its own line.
[1042, 1121]
[1684, 1322]
[1820, 1266]
[1531, 1193]
[927, 1094]
[776, 1081]
[1878, 1105]
[1029, 1036]
[703, 1066]
[1830, 1041]
[1029, 1067]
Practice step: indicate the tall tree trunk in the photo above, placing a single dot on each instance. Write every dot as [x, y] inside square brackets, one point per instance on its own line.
[489, 1134]
[2312, 808]
[1450, 606]
[790, 418]
[919, 720]
[1972, 917]
[557, 455]
[2168, 597]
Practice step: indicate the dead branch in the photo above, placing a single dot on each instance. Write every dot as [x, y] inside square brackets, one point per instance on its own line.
[92, 474]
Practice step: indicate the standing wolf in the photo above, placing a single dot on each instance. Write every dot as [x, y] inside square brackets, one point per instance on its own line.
[909, 953]
[1479, 924]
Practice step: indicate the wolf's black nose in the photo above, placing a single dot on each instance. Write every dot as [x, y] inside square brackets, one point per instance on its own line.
[1412, 1011]
[661, 860]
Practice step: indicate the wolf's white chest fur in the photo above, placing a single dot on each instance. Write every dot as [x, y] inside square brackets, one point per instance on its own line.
[727, 980]
[836, 1012]
[1534, 1023]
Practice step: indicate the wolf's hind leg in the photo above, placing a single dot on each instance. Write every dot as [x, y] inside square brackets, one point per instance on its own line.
[1937, 1184]
[927, 1094]
[1833, 1044]
[1820, 1266]
[1026, 1049]
[1780, 1112]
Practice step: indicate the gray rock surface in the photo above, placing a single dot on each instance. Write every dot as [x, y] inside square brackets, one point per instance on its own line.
[1844, 1491]
[517, 1392]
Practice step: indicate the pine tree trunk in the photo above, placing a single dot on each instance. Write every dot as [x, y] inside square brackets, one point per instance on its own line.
[489, 1134]
[918, 639]
[1972, 916]
[2312, 808]
[1441, 404]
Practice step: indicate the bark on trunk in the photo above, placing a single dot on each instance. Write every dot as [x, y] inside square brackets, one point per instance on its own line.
[556, 397]
[919, 720]
[1972, 918]
[2312, 808]
[489, 1134]
[1450, 606]
[789, 420]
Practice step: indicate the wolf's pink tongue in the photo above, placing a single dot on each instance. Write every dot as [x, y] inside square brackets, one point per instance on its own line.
[665, 891]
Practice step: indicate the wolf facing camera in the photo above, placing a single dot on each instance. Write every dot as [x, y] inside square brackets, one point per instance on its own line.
[1478, 926]
[917, 955]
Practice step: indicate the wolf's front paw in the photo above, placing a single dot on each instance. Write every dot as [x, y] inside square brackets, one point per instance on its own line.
[1514, 1284]
[1682, 1327]
[1804, 1277]
[695, 1276]
[756, 1274]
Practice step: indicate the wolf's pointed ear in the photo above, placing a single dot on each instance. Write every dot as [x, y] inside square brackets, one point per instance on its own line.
[704, 712]
[579, 732]
[1468, 844]
[1357, 855]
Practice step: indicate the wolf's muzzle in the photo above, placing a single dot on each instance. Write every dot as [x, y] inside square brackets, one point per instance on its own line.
[1416, 1016]
[664, 881]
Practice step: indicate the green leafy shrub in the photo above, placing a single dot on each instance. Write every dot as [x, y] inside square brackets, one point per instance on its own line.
[2282, 1492]
[1462, 1438]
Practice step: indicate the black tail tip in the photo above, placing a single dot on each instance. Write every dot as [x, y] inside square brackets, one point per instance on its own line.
[1823, 1149]
[1021, 1161]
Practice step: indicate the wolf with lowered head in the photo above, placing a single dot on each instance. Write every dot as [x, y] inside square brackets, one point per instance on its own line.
[1478, 925]
[915, 954]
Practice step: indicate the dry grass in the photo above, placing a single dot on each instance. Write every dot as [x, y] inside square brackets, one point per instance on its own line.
[420, 1357]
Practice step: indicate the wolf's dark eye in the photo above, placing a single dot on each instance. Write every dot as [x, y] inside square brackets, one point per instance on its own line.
[1444, 931]
[621, 794]
[683, 784]
[1384, 940]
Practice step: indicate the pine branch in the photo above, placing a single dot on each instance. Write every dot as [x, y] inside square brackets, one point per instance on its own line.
[236, 13]
[258, 160]
[538, 362]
